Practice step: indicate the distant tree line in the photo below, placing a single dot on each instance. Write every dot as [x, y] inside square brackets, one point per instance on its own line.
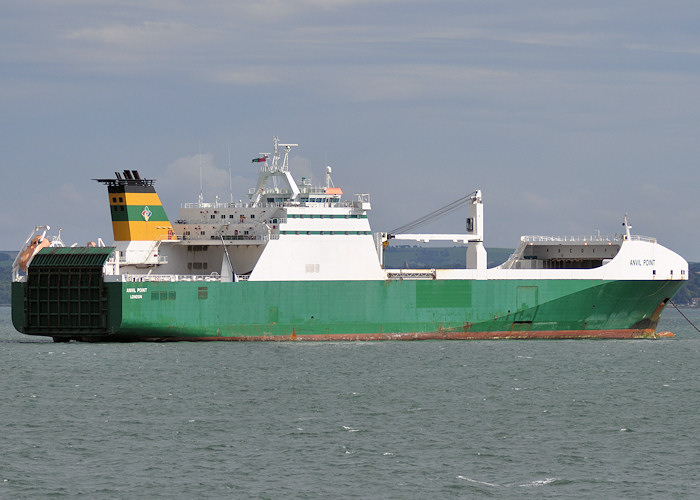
[689, 295]
[417, 257]
[6, 259]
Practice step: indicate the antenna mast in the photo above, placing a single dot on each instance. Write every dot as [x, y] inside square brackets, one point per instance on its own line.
[230, 182]
[200, 175]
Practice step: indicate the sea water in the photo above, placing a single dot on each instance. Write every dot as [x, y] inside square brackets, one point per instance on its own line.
[433, 419]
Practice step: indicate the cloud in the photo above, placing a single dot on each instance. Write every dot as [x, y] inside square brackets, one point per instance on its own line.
[190, 170]
[301, 167]
[561, 112]
[68, 193]
[181, 182]
[146, 46]
[245, 76]
[146, 34]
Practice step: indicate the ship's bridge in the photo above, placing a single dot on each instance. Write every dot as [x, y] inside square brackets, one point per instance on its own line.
[277, 186]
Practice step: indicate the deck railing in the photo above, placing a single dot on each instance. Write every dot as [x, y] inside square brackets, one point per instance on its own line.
[583, 239]
[145, 278]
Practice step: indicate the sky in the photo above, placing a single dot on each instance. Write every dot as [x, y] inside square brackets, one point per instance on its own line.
[567, 115]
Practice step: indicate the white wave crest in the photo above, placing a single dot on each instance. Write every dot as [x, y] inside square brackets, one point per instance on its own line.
[539, 482]
[475, 481]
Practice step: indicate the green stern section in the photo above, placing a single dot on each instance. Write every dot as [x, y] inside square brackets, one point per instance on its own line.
[65, 296]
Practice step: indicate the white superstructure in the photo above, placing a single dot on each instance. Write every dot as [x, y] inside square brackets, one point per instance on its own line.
[287, 231]
[290, 230]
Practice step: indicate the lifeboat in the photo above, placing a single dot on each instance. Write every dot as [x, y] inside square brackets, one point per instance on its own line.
[36, 244]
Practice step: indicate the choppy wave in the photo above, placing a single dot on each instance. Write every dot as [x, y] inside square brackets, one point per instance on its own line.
[531, 484]
[499, 419]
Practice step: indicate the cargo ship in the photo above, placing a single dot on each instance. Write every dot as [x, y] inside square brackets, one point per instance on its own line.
[297, 261]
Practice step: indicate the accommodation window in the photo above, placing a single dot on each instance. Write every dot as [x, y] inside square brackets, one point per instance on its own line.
[163, 295]
[197, 265]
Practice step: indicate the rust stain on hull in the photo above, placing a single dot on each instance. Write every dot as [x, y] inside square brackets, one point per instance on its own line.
[440, 335]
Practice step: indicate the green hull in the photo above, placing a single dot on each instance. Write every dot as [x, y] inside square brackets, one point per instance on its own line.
[345, 310]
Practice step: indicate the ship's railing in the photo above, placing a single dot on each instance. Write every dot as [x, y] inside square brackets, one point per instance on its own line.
[642, 238]
[145, 278]
[229, 222]
[218, 204]
[583, 239]
[238, 237]
[411, 274]
[286, 204]
[263, 237]
[279, 204]
[568, 239]
[124, 261]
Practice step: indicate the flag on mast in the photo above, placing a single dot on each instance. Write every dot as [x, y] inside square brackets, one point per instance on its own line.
[260, 159]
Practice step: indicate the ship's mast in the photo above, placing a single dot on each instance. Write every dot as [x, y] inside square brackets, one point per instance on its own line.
[276, 171]
[625, 223]
[329, 181]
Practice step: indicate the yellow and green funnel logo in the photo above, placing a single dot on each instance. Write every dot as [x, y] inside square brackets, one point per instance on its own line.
[146, 213]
